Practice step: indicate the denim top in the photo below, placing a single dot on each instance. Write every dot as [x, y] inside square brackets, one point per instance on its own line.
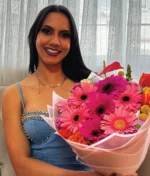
[44, 143]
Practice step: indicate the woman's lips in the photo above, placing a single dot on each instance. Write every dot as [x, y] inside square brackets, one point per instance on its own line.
[51, 52]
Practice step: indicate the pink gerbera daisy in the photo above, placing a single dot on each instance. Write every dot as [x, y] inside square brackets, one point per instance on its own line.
[101, 104]
[91, 130]
[61, 106]
[73, 119]
[130, 99]
[81, 94]
[136, 85]
[121, 121]
[112, 85]
[75, 86]
[58, 123]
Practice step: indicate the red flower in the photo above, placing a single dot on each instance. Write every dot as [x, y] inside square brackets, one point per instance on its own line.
[146, 97]
[66, 133]
[145, 80]
[77, 137]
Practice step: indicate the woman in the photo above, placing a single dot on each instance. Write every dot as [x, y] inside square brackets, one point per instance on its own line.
[55, 64]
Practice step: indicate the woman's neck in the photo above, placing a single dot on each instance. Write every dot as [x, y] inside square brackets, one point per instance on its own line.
[50, 75]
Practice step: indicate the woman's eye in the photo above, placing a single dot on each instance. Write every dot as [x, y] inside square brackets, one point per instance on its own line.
[46, 31]
[65, 35]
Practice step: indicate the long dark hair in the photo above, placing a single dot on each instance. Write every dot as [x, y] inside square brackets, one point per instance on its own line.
[72, 65]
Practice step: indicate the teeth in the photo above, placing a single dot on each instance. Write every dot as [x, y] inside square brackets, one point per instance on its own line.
[52, 51]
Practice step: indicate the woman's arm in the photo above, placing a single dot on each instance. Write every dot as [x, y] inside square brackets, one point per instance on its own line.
[18, 144]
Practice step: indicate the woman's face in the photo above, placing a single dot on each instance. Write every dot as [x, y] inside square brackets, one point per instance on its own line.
[53, 40]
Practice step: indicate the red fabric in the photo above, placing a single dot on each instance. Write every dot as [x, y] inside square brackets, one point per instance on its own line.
[111, 67]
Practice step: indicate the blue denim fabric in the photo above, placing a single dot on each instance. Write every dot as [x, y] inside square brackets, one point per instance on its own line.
[45, 144]
[48, 146]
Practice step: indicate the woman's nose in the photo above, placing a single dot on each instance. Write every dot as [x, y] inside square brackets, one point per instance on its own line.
[54, 40]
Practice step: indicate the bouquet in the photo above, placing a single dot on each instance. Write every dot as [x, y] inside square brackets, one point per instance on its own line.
[105, 120]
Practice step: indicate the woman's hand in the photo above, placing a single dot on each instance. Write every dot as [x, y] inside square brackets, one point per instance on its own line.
[127, 175]
[133, 174]
[93, 173]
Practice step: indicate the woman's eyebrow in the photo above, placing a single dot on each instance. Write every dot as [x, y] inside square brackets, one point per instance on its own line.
[47, 26]
[63, 30]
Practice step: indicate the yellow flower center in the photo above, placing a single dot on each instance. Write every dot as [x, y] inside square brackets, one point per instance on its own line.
[119, 124]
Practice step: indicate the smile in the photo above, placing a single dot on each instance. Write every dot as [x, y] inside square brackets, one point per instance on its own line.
[52, 52]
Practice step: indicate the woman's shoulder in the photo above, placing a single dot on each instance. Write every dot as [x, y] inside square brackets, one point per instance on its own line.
[12, 90]
[10, 96]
